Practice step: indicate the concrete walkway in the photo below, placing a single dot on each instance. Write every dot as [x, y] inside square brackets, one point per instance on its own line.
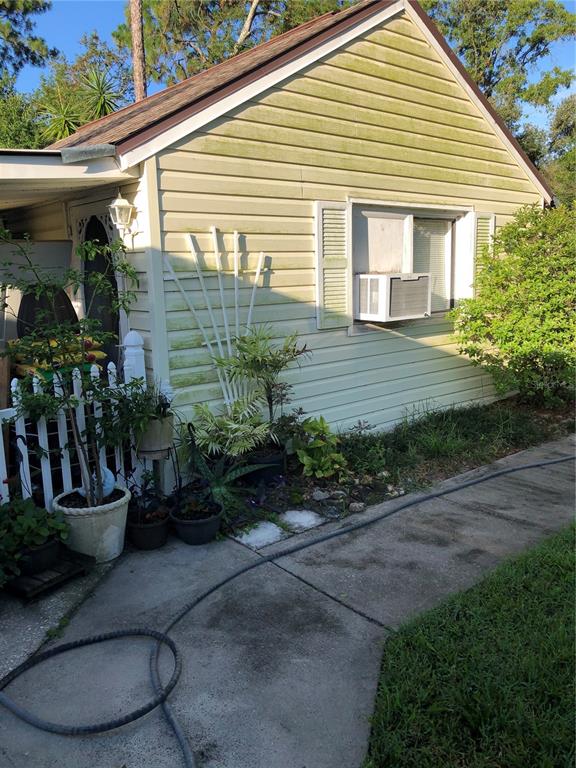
[281, 666]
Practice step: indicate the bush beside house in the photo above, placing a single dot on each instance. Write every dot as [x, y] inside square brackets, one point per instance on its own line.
[521, 325]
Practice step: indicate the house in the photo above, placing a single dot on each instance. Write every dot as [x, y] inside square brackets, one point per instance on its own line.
[354, 144]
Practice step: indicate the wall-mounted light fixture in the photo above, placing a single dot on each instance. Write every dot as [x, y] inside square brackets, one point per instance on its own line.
[121, 213]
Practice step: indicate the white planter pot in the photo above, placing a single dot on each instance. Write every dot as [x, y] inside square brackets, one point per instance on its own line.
[157, 439]
[96, 531]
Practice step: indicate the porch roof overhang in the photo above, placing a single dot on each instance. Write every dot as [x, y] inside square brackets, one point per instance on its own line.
[29, 176]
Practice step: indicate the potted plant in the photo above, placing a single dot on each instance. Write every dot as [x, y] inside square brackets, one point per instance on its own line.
[148, 516]
[29, 538]
[155, 430]
[99, 417]
[213, 493]
[258, 362]
[197, 520]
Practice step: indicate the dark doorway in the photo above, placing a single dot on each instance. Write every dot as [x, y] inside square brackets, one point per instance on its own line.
[34, 311]
[101, 307]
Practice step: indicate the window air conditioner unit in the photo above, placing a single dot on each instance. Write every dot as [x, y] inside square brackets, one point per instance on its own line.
[388, 297]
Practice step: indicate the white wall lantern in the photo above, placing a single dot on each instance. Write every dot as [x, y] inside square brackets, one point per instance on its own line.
[121, 213]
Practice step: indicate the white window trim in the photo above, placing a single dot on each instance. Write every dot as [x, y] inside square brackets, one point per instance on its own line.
[449, 266]
[408, 206]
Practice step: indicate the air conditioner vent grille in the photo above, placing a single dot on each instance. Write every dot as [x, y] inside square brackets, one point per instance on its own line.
[408, 297]
[388, 297]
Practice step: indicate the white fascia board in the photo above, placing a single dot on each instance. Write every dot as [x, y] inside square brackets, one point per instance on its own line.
[474, 98]
[50, 167]
[197, 121]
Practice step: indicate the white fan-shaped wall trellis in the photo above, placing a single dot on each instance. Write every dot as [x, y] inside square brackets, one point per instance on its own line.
[219, 339]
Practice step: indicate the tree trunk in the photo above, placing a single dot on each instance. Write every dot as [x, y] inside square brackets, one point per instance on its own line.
[138, 57]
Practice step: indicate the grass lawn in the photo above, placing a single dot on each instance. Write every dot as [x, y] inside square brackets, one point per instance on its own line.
[429, 446]
[486, 679]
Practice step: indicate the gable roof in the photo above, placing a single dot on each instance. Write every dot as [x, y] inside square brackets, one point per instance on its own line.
[117, 127]
[140, 123]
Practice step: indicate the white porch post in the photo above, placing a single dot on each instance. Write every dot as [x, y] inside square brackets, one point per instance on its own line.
[134, 361]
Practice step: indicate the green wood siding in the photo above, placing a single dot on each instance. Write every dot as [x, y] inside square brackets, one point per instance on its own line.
[381, 120]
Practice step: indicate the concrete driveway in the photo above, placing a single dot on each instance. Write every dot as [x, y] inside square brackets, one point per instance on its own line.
[280, 666]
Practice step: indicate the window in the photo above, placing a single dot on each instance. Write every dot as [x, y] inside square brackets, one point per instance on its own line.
[381, 240]
[432, 253]
[381, 263]
[385, 242]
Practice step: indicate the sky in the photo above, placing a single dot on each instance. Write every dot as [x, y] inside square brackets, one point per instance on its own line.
[65, 23]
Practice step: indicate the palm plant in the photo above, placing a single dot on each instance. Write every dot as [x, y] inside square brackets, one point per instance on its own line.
[259, 362]
[233, 432]
[62, 114]
[99, 94]
[219, 476]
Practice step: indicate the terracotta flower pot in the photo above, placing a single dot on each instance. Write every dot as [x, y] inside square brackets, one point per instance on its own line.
[96, 531]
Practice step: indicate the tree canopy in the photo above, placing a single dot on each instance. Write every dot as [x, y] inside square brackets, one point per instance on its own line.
[560, 167]
[70, 94]
[18, 43]
[20, 124]
[181, 39]
[502, 44]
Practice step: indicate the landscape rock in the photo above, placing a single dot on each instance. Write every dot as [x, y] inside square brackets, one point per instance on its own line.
[319, 495]
[338, 495]
[357, 506]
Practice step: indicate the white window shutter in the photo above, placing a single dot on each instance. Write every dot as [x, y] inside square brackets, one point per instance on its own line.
[485, 228]
[333, 274]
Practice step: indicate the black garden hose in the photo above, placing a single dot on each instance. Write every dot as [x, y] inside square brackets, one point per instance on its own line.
[163, 691]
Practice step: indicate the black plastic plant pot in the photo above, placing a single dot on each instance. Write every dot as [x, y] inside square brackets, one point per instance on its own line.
[34, 560]
[274, 461]
[148, 535]
[197, 531]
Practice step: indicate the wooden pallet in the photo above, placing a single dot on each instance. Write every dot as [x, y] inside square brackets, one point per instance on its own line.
[68, 566]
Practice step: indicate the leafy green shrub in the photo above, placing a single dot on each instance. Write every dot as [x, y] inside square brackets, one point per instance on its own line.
[521, 326]
[24, 525]
[318, 451]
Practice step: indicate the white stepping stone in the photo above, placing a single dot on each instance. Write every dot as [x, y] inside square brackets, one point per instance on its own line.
[262, 534]
[301, 519]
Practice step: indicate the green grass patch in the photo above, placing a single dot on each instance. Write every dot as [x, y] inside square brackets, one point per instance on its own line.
[430, 444]
[486, 679]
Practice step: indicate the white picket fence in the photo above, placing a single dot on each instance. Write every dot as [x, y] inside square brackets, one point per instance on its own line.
[56, 465]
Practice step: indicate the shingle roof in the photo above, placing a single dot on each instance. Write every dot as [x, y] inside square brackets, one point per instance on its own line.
[137, 117]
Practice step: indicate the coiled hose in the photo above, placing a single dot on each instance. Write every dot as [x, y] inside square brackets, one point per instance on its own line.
[163, 691]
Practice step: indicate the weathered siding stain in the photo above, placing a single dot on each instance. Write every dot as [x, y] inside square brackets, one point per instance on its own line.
[384, 120]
